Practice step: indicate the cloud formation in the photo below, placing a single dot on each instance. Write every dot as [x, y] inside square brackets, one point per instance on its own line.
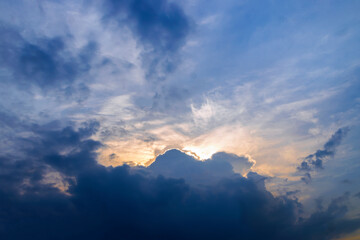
[45, 62]
[315, 161]
[161, 26]
[176, 164]
[108, 60]
[90, 201]
[161, 23]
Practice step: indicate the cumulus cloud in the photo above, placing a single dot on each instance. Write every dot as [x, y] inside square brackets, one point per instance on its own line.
[240, 164]
[221, 165]
[129, 203]
[177, 164]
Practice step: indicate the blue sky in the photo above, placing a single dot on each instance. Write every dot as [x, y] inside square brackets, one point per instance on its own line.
[254, 88]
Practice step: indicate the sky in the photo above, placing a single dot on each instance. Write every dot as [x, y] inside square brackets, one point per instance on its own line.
[193, 119]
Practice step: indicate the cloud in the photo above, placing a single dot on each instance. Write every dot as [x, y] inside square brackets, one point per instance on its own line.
[337, 208]
[240, 164]
[47, 63]
[357, 195]
[170, 99]
[306, 178]
[176, 164]
[315, 161]
[129, 203]
[160, 23]
[161, 26]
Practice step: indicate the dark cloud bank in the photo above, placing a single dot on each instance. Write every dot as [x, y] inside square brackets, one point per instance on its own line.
[137, 203]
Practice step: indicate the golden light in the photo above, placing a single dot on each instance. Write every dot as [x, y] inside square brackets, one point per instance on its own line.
[201, 153]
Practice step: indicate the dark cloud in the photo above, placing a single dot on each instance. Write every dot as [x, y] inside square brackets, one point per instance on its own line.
[313, 227]
[41, 63]
[357, 195]
[8, 120]
[346, 181]
[292, 193]
[315, 161]
[47, 63]
[160, 23]
[304, 166]
[90, 201]
[161, 26]
[306, 178]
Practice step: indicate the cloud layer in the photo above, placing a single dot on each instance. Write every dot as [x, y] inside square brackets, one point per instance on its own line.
[57, 190]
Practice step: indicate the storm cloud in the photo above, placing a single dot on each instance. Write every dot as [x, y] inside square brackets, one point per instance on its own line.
[88, 200]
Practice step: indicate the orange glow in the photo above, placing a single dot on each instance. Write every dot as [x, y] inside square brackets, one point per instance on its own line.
[354, 236]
